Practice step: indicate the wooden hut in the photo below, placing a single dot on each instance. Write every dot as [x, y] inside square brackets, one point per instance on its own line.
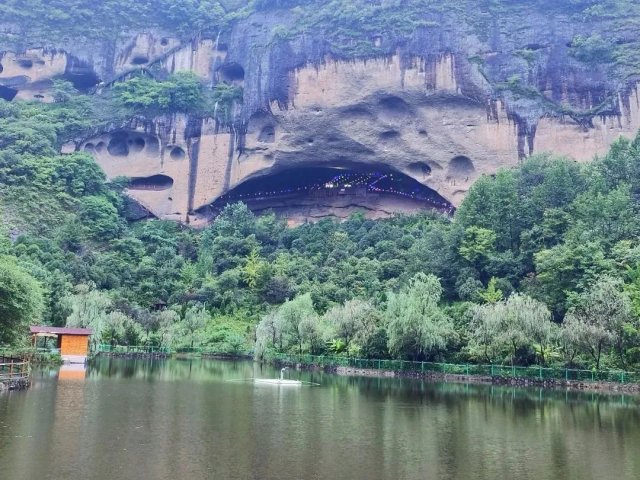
[72, 342]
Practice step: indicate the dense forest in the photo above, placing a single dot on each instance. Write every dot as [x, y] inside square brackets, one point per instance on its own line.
[540, 264]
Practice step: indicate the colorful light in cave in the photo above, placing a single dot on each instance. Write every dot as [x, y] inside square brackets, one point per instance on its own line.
[345, 183]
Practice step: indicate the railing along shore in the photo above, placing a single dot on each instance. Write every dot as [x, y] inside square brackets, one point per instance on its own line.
[534, 372]
[503, 371]
[12, 368]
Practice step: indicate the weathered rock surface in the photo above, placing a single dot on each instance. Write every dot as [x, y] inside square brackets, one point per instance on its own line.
[443, 106]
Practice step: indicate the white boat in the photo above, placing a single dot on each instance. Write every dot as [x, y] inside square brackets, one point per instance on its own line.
[278, 381]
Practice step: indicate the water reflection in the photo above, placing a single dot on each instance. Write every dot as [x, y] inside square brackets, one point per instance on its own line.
[205, 419]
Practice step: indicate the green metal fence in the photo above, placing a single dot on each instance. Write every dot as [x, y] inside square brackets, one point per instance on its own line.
[125, 349]
[503, 371]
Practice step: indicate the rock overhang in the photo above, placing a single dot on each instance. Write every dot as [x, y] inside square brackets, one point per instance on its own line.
[441, 105]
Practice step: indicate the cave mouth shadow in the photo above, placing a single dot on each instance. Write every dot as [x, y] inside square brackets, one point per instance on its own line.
[155, 182]
[324, 183]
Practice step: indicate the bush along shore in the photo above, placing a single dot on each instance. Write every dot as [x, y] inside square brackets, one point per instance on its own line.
[534, 376]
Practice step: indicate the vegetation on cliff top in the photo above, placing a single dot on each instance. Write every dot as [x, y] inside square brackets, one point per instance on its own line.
[605, 43]
[351, 27]
[549, 249]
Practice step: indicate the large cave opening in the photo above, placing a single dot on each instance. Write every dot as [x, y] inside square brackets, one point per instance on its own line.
[312, 193]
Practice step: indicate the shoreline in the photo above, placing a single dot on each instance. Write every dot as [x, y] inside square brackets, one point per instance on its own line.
[548, 384]
[522, 382]
[14, 384]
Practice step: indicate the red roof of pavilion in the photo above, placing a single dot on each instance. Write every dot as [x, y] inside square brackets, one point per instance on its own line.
[62, 330]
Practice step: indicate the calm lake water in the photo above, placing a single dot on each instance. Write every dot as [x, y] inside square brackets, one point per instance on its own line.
[199, 420]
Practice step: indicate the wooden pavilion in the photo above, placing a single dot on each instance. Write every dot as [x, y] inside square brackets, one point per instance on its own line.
[72, 342]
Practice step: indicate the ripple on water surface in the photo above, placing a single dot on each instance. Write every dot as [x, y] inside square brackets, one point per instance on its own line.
[198, 419]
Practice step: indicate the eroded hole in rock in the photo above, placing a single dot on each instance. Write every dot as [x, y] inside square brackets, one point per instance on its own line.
[422, 131]
[89, 147]
[394, 105]
[80, 74]
[156, 182]
[356, 112]
[461, 165]
[38, 96]
[118, 146]
[25, 63]
[7, 93]
[137, 144]
[101, 146]
[177, 153]
[420, 168]
[389, 135]
[164, 42]
[1, 68]
[231, 73]
[296, 192]
[139, 60]
[267, 134]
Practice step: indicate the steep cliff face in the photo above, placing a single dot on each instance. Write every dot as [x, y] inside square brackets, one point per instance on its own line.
[464, 91]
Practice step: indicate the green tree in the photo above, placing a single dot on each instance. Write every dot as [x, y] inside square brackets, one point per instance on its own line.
[194, 322]
[291, 314]
[567, 268]
[416, 326]
[597, 321]
[492, 294]
[355, 320]
[89, 309]
[99, 218]
[21, 300]
[511, 324]
[254, 268]
[268, 334]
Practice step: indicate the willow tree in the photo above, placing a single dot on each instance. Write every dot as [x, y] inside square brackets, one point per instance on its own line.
[509, 325]
[416, 326]
[353, 321]
[294, 314]
[599, 319]
[194, 322]
[292, 324]
[89, 309]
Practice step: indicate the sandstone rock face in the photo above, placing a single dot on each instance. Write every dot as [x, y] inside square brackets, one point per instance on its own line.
[433, 107]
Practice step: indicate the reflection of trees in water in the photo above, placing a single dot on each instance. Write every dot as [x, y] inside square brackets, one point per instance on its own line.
[521, 401]
[170, 369]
